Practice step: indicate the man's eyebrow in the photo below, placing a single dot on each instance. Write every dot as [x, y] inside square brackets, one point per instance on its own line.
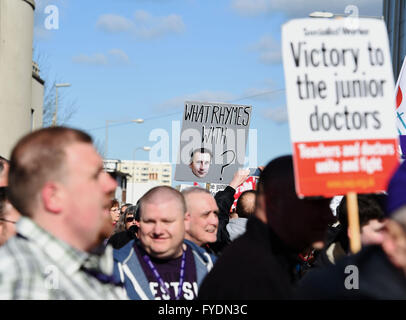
[207, 212]
[98, 170]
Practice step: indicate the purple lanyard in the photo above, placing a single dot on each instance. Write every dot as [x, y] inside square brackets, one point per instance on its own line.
[159, 278]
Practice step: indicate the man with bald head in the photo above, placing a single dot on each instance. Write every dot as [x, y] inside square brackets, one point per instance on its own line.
[202, 210]
[160, 264]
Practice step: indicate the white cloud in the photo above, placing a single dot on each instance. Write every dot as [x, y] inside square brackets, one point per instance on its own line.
[119, 56]
[278, 115]
[113, 57]
[94, 59]
[142, 16]
[302, 8]
[112, 23]
[269, 50]
[142, 26]
[250, 7]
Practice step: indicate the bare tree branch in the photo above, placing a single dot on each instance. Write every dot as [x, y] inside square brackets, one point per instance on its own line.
[66, 108]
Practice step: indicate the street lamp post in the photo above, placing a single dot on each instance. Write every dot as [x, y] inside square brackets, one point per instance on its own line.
[145, 148]
[327, 14]
[107, 132]
[58, 85]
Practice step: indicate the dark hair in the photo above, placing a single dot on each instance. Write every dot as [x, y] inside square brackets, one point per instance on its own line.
[3, 199]
[244, 209]
[277, 173]
[370, 206]
[121, 223]
[201, 150]
[38, 157]
[114, 203]
[126, 205]
[194, 189]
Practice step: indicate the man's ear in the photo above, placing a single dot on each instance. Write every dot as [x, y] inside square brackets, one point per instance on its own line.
[394, 243]
[187, 220]
[260, 207]
[260, 202]
[51, 197]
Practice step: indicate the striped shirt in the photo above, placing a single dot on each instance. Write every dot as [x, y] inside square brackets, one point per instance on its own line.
[36, 265]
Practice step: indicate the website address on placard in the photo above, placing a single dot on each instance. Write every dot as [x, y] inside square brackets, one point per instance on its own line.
[351, 183]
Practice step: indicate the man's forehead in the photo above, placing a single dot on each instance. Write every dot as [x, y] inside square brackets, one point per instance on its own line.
[170, 208]
[85, 152]
[199, 155]
[201, 199]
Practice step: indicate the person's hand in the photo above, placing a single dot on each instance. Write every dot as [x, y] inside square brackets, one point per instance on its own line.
[239, 177]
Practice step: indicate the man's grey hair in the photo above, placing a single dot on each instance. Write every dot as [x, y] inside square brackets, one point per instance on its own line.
[191, 190]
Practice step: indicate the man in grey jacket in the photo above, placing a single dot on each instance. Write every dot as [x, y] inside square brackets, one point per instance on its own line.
[244, 210]
[161, 265]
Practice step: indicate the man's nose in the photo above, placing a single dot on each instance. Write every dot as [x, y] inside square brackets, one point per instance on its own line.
[109, 183]
[158, 228]
[213, 219]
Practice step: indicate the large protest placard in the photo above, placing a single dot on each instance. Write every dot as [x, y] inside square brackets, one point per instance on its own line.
[212, 141]
[340, 99]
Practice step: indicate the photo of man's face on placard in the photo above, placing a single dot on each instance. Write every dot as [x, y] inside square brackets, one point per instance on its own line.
[200, 162]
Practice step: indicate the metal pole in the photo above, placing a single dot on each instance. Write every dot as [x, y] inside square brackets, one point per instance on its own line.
[106, 139]
[134, 172]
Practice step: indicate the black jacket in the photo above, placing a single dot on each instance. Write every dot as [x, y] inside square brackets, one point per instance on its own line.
[120, 239]
[366, 275]
[224, 200]
[257, 265]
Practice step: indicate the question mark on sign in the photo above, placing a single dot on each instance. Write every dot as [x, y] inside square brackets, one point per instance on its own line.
[352, 21]
[227, 164]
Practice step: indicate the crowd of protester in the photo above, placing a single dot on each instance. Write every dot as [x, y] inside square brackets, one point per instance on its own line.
[64, 236]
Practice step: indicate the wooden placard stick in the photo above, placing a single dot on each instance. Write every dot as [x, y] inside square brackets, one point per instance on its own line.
[353, 222]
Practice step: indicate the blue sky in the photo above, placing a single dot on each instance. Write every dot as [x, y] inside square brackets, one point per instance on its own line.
[129, 59]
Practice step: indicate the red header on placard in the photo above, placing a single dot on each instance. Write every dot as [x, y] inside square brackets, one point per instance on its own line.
[249, 184]
[336, 167]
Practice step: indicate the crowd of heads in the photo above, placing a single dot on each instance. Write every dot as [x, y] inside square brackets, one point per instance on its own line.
[52, 172]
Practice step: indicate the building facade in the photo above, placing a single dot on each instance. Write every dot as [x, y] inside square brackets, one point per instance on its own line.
[21, 88]
[113, 168]
[144, 175]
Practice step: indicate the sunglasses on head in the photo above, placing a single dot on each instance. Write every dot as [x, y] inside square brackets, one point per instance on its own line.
[129, 219]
